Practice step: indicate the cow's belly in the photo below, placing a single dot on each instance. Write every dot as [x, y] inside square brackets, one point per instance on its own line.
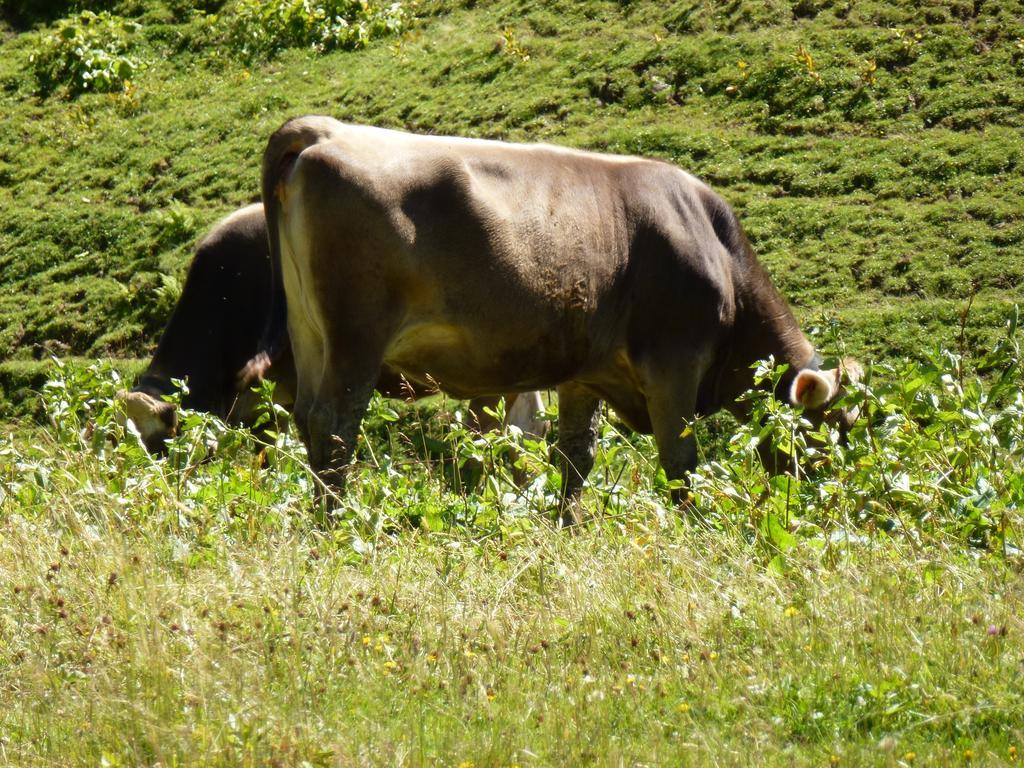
[466, 363]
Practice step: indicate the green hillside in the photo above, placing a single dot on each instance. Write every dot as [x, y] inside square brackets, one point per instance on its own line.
[872, 149]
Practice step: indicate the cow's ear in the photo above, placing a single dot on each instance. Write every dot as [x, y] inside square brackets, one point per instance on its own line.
[852, 371]
[813, 389]
[168, 414]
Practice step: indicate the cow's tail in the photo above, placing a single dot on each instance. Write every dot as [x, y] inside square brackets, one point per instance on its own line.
[282, 151]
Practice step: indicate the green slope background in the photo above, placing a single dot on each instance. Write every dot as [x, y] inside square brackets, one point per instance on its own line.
[873, 150]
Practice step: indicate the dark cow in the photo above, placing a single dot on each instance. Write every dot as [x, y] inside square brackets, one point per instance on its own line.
[215, 328]
[492, 267]
[213, 331]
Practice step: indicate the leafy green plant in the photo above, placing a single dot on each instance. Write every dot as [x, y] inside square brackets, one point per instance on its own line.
[936, 451]
[262, 28]
[78, 402]
[87, 52]
[177, 224]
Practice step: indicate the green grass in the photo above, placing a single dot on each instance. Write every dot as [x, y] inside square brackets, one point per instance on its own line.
[194, 611]
[606, 648]
[152, 616]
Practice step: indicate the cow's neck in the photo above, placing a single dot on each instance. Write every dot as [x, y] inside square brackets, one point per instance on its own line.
[157, 381]
[764, 327]
[154, 383]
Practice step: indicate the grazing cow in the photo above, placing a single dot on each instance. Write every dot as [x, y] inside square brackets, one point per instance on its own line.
[215, 328]
[492, 267]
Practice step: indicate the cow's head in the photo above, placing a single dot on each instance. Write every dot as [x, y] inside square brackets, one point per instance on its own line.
[816, 391]
[155, 419]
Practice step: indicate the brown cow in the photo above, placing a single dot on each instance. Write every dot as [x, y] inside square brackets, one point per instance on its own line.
[489, 267]
[214, 330]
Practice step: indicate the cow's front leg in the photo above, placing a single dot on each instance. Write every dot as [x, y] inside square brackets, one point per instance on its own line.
[671, 409]
[332, 425]
[578, 420]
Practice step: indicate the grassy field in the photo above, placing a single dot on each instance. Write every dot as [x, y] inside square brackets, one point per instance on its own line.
[613, 648]
[189, 612]
[193, 610]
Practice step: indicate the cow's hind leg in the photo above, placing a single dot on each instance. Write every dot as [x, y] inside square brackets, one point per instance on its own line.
[336, 378]
[578, 420]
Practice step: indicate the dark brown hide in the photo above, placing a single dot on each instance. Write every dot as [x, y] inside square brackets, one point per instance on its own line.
[214, 329]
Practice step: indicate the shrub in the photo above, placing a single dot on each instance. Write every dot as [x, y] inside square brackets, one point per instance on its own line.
[936, 451]
[87, 52]
[935, 456]
[261, 28]
[27, 12]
